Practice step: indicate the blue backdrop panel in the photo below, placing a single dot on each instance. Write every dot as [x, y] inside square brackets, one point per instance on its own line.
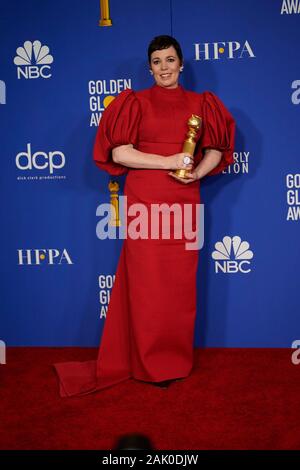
[58, 70]
[259, 308]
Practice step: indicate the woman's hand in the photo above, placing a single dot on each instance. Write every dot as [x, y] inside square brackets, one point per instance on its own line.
[191, 176]
[175, 162]
[211, 159]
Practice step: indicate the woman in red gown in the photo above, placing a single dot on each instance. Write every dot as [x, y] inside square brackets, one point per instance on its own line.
[149, 328]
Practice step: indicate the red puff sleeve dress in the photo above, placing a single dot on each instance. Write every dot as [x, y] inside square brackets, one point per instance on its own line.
[149, 328]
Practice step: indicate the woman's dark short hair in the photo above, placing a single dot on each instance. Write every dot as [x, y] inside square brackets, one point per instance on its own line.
[163, 42]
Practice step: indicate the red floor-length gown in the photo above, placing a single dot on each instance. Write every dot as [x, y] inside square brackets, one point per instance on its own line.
[149, 328]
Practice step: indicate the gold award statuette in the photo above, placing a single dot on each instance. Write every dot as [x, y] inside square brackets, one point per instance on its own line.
[194, 124]
[113, 187]
[104, 13]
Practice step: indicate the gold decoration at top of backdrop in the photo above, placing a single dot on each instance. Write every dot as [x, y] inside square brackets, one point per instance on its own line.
[104, 14]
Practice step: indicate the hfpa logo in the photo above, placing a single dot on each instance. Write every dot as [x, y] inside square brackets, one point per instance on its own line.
[2, 352]
[33, 60]
[2, 92]
[38, 257]
[223, 50]
[232, 256]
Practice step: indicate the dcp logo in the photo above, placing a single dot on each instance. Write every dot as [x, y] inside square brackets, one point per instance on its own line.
[33, 60]
[232, 255]
[40, 160]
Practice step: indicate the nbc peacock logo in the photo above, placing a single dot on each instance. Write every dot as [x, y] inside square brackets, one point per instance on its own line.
[232, 255]
[33, 60]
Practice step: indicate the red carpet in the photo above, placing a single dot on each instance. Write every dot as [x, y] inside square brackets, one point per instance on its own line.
[234, 399]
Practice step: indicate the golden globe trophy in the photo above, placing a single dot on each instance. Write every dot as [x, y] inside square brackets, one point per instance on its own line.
[105, 19]
[113, 187]
[194, 123]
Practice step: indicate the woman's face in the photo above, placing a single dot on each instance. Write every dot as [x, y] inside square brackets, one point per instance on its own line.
[165, 65]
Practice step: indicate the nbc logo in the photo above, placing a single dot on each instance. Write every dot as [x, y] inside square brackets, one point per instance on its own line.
[2, 92]
[232, 255]
[33, 60]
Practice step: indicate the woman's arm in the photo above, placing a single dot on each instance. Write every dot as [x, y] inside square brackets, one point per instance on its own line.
[210, 160]
[128, 156]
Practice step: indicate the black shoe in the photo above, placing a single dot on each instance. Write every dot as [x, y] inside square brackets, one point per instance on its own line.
[162, 384]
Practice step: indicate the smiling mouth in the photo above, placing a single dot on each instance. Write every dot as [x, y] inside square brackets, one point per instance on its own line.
[165, 75]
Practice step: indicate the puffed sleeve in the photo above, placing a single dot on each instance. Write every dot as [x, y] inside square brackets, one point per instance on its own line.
[218, 130]
[119, 125]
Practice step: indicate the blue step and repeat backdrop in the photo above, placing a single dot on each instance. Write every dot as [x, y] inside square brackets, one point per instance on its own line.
[59, 70]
